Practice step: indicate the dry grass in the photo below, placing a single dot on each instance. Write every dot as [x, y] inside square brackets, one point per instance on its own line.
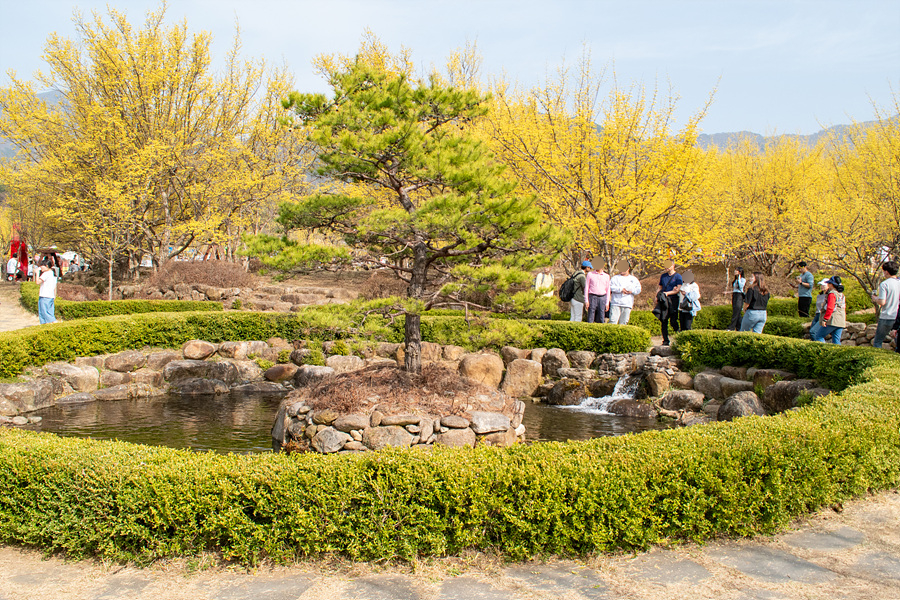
[214, 273]
[76, 293]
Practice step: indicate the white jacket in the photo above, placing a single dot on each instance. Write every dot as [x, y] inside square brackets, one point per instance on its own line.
[620, 283]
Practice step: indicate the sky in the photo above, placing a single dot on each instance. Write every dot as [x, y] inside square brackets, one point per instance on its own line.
[785, 66]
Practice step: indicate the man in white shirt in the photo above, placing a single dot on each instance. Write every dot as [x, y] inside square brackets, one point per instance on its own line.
[623, 287]
[11, 265]
[888, 298]
[47, 295]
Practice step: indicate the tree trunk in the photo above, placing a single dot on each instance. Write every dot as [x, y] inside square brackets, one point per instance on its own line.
[416, 289]
[110, 280]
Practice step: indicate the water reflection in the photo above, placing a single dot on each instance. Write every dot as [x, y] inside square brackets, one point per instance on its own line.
[544, 423]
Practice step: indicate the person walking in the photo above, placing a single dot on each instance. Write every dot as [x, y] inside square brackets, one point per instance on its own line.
[47, 294]
[597, 295]
[756, 301]
[888, 298]
[820, 307]
[688, 301]
[834, 319]
[805, 283]
[670, 284]
[737, 298]
[623, 287]
[576, 304]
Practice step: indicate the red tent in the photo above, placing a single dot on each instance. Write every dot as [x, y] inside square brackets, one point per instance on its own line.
[18, 249]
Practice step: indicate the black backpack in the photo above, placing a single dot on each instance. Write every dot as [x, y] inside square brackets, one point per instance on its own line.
[567, 289]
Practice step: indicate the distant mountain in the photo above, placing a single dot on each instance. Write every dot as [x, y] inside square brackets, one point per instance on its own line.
[723, 140]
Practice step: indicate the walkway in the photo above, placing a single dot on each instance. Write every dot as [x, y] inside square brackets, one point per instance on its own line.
[852, 554]
[12, 315]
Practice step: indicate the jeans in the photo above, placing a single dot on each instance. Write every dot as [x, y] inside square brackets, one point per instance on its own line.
[754, 320]
[737, 302]
[46, 310]
[814, 326]
[597, 309]
[836, 333]
[576, 310]
[619, 315]
[884, 328]
[672, 318]
[803, 304]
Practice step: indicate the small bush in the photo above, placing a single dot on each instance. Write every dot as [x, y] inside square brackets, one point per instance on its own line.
[284, 356]
[236, 304]
[215, 273]
[264, 364]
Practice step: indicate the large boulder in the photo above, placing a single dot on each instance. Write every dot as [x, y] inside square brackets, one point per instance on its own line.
[766, 377]
[178, 370]
[731, 386]
[631, 408]
[235, 350]
[585, 375]
[692, 418]
[456, 438]
[329, 440]
[742, 404]
[282, 372]
[432, 352]
[17, 398]
[709, 384]
[580, 359]
[344, 364]
[604, 386]
[682, 381]
[489, 422]
[198, 350]
[522, 377]
[80, 379]
[500, 439]
[127, 361]
[657, 383]
[782, 395]
[158, 360]
[739, 373]
[376, 438]
[114, 378]
[348, 423]
[198, 387]
[483, 368]
[554, 360]
[509, 354]
[308, 375]
[453, 353]
[248, 370]
[567, 392]
[682, 400]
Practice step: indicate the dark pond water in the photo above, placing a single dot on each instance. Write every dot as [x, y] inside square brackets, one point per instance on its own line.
[242, 423]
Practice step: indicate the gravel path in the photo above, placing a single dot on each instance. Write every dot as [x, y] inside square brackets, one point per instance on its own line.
[12, 315]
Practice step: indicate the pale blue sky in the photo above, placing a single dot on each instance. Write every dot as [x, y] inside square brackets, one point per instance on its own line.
[785, 66]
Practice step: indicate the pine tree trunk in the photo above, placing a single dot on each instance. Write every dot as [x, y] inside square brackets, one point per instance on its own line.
[412, 329]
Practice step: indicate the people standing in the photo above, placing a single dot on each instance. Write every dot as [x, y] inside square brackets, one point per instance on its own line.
[670, 284]
[834, 319]
[820, 307]
[737, 298]
[11, 265]
[543, 282]
[756, 301]
[888, 298]
[576, 304]
[597, 295]
[623, 287]
[805, 283]
[688, 301]
[47, 294]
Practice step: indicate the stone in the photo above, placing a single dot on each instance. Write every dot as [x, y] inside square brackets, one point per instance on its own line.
[80, 379]
[376, 438]
[355, 445]
[386, 349]
[682, 400]
[657, 383]
[401, 420]
[580, 359]
[693, 418]
[453, 353]
[98, 361]
[488, 422]
[522, 377]
[782, 395]
[554, 360]
[631, 408]
[282, 372]
[125, 362]
[431, 352]
[510, 353]
[198, 350]
[741, 404]
[325, 416]
[300, 356]
[78, 398]
[344, 364]
[455, 422]
[682, 381]
[309, 375]
[537, 354]
[543, 390]
[500, 439]
[20, 421]
[709, 384]
[456, 438]
[426, 428]
[375, 418]
[666, 567]
[731, 386]
[585, 375]
[158, 360]
[258, 387]
[25, 397]
[198, 387]
[766, 377]
[190, 369]
[663, 351]
[148, 377]
[235, 350]
[114, 378]
[567, 392]
[739, 373]
[329, 440]
[603, 387]
[348, 423]
[119, 392]
[482, 368]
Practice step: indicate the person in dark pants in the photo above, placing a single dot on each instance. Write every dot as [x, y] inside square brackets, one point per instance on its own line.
[737, 298]
[805, 282]
[670, 284]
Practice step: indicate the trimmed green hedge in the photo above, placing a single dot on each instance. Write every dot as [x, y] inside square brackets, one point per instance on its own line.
[752, 476]
[68, 310]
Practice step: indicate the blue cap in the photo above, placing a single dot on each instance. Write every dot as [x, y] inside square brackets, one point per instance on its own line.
[587, 263]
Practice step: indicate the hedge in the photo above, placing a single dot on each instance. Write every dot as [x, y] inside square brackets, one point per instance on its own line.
[127, 502]
[68, 310]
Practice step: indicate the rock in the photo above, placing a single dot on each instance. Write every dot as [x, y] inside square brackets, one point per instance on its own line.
[537, 354]
[25, 397]
[80, 379]
[431, 352]
[657, 383]
[198, 387]
[348, 423]
[247, 370]
[309, 375]
[355, 446]
[125, 362]
[584, 375]
[98, 362]
[20, 421]
[782, 395]
[235, 350]
[631, 408]
[682, 400]
[580, 359]
[386, 349]
[453, 353]
[158, 360]
[489, 422]
[709, 384]
[522, 377]
[682, 381]
[518, 413]
[500, 439]
[401, 420]
[455, 422]
[258, 387]
[300, 356]
[114, 378]
[190, 369]
[426, 428]
[456, 438]
[79, 398]
[711, 410]
[730, 386]
[509, 354]
[693, 418]
[766, 377]
[330, 440]
[603, 387]
[520, 431]
[482, 368]
[119, 392]
[543, 390]
[198, 350]
[664, 351]
[325, 416]
[344, 364]
[376, 438]
[146, 376]
[282, 372]
[567, 392]
[741, 404]
[554, 360]
[375, 418]
[739, 373]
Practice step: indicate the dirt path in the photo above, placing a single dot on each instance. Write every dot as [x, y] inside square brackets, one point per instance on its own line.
[12, 315]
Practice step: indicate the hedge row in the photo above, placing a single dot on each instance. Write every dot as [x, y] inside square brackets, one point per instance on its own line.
[68, 310]
[129, 502]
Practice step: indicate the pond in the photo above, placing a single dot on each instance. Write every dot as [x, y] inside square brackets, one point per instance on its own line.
[242, 423]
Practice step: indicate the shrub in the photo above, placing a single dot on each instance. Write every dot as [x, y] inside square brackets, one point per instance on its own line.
[284, 356]
[215, 273]
[236, 304]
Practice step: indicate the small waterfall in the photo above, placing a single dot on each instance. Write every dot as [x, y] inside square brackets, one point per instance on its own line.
[626, 387]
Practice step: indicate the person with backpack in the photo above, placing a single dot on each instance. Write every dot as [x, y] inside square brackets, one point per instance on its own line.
[576, 303]
[834, 319]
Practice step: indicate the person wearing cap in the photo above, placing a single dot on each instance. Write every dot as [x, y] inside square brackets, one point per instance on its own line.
[888, 299]
[820, 307]
[576, 304]
[805, 282]
[670, 284]
[834, 319]
[688, 301]
[623, 287]
[597, 291]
